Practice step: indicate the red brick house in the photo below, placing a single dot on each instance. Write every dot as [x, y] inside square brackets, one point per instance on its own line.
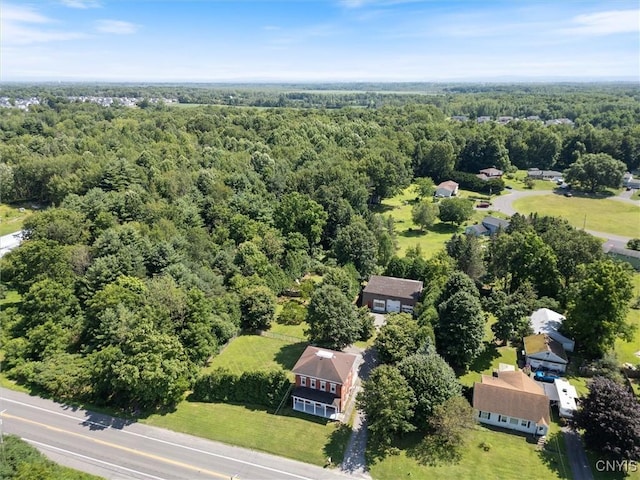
[324, 381]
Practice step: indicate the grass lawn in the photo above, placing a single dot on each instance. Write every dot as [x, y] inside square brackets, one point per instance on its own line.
[257, 429]
[626, 350]
[487, 362]
[510, 455]
[253, 352]
[409, 234]
[11, 218]
[602, 215]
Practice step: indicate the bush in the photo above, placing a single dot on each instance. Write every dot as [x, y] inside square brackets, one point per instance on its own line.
[293, 313]
[485, 446]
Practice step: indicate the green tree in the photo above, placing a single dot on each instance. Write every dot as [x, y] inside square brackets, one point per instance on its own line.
[610, 417]
[594, 171]
[258, 308]
[435, 159]
[332, 319]
[424, 214]
[356, 244]
[387, 402]
[425, 187]
[297, 212]
[433, 382]
[597, 305]
[460, 329]
[455, 210]
[468, 253]
[400, 337]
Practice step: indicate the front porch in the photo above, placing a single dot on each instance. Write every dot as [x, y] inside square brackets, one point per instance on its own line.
[315, 402]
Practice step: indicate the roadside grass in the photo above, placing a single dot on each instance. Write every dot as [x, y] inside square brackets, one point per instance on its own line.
[254, 352]
[599, 214]
[289, 434]
[509, 455]
[12, 218]
[593, 458]
[636, 195]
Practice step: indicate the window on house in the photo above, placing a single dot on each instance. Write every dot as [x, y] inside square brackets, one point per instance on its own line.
[485, 415]
[379, 305]
[332, 387]
[513, 421]
[303, 381]
[323, 386]
[502, 418]
[524, 423]
[313, 383]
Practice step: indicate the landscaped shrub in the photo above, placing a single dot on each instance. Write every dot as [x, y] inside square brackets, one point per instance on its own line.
[263, 387]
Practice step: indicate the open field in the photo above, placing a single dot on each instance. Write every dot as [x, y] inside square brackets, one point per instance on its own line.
[602, 215]
[288, 434]
[12, 218]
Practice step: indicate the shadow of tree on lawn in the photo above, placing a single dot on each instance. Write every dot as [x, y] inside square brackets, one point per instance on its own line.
[552, 456]
[288, 355]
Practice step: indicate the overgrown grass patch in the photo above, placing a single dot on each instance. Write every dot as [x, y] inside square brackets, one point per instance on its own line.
[599, 214]
[289, 434]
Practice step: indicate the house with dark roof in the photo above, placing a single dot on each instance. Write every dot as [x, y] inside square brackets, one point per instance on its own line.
[512, 400]
[543, 352]
[447, 189]
[623, 254]
[490, 225]
[325, 381]
[391, 294]
[548, 322]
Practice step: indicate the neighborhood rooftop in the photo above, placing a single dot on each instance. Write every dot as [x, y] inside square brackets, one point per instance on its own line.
[543, 343]
[393, 286]
[325, 364]
[513, 394]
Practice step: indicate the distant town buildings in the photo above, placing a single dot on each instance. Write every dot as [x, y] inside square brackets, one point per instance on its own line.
[504, 119]
[25, 103]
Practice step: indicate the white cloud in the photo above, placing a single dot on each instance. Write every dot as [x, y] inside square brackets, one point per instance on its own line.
[15, 13]
[117, 27]
[605, 23]
[83, 4]
[24, 25]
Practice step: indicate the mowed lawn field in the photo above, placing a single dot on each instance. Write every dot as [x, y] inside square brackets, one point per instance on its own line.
[409, 235]
[254, 426]
[12, 218]
[601, 215]
[509, 456]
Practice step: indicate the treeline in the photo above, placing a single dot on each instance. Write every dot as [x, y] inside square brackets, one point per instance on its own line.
[165, 231]
[604, 105]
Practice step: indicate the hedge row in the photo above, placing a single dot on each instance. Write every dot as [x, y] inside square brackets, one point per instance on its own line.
[256, 388]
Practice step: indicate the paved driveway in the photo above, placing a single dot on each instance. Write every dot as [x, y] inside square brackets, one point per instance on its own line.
[577, 456]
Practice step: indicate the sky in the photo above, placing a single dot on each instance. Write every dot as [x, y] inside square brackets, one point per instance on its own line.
[319, 41]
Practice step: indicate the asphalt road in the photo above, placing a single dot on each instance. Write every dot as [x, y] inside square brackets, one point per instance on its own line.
[118, 449]
[577, 456]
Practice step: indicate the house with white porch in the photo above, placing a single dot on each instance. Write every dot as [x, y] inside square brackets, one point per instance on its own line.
[325, 381]
[543, 352]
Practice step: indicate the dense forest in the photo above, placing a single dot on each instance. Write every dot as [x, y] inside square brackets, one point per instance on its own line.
[165, 230]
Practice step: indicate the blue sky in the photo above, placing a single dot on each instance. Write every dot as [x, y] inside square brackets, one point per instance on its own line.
[341, 40]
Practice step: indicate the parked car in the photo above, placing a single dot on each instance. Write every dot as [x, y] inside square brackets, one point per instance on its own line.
[484, 205]
[568, 194]
[545, 377]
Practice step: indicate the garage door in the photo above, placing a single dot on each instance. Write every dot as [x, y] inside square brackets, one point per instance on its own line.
[393, 306]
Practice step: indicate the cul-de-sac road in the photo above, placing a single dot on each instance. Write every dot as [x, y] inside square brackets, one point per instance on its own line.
[117, 449]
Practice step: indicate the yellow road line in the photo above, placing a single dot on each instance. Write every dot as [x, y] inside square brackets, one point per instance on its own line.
[120, 447]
